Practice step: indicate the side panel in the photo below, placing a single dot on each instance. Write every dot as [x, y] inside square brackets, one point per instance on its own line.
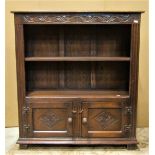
[20, 67]
[135, 31]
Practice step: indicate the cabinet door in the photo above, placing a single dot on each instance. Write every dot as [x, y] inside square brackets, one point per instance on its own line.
[50, 119]
[105, 119]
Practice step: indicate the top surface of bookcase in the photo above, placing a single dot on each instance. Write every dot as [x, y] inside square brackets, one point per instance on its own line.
[78, 18]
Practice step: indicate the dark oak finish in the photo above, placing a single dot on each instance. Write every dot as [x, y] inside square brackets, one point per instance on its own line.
[84, 94]
[51, 120]
[48, 75]
[20, 76]
[104, 119]
[77, 76]
[79, 18]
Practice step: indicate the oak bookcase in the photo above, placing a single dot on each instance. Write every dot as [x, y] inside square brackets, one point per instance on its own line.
[77, 77]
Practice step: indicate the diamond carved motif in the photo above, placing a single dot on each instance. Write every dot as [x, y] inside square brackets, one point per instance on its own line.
[106, 119]
[49, 119]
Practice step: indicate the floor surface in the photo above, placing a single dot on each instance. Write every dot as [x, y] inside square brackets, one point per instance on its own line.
[13, 149]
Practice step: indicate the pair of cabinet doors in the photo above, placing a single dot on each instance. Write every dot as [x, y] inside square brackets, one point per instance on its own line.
[78, 119]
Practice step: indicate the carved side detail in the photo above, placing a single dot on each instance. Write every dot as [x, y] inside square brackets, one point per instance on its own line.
[49, 119]
[25, 110]
[26, 129]
[127, 129]
[106, 119]
[128, 110]
[81, 18]
[26, 126]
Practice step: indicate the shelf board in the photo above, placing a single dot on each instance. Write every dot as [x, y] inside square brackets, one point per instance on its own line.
[77, 59]
[76, 94]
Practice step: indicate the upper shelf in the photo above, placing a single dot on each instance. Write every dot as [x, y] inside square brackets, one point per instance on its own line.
[77, 59]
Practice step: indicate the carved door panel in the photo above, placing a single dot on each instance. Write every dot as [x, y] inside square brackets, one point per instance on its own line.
[50, 119]
[105, 119]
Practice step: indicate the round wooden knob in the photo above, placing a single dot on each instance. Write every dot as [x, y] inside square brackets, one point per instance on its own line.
[69, 120]
[84, 120]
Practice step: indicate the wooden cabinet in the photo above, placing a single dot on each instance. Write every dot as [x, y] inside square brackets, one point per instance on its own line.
[78, 118]
[77, 76]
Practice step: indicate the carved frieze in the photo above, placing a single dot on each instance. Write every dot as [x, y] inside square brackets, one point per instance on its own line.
[81, 18]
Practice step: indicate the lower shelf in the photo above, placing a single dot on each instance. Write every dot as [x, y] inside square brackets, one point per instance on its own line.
[77, 93]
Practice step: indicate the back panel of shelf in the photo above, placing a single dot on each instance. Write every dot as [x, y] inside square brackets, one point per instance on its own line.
[41, 41]
[77, 75]
[77, 40]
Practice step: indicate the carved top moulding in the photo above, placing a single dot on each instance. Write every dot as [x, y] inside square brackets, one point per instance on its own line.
[79, 18]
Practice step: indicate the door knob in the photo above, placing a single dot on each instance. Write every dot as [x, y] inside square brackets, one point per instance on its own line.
[70, 120]
[84, 120]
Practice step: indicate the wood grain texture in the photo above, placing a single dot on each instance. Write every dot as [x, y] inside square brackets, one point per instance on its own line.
[77, 58]
[74, 41]
[112, 76]
[91, 142]
[135, 34]
[51, 120]
[77, 40]
[77, 93]
[41, 41]
[113, 40]
[42, 76]
[20, 76]
[105, 119]
[75, 75]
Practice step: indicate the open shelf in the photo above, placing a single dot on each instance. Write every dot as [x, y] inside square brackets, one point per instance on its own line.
[76, 93]
[74, 75]
[77, 59]
[76, 41]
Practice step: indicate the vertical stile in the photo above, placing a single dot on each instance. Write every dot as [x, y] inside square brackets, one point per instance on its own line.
[134, 73]
[85, 115]
[20, 74]
[61, 54]
[93, 53]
